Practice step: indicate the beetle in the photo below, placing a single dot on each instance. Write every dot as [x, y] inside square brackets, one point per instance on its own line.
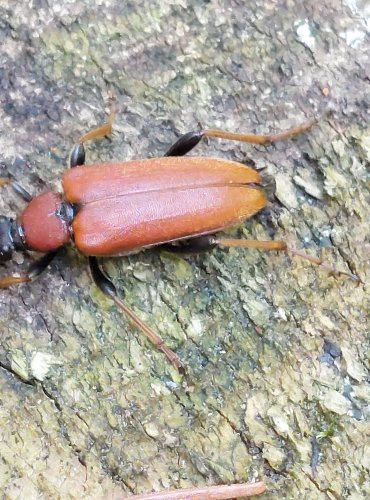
[113, 209]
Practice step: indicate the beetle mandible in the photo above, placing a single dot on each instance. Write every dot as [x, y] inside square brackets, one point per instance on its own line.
[110, 209]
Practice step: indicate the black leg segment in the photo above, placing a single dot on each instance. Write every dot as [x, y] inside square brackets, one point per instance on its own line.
[39, 266]
[25, 195]
[100, 279]
[185, 144]
[17, 188]
[200, 244]
[77, 156]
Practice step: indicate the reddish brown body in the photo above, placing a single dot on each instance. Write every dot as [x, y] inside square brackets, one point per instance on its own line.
[43, 228]
[127, 206]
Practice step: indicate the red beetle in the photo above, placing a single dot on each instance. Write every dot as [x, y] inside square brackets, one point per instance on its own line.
[110, 209]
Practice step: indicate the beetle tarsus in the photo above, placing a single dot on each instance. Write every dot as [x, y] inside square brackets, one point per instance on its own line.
[107, 287]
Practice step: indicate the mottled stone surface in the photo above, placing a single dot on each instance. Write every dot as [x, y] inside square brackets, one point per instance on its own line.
[277, 350]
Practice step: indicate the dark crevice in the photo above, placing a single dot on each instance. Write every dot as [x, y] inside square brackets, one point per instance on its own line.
[234, 427]
[52, 398]
[326, 491]
[31, 382]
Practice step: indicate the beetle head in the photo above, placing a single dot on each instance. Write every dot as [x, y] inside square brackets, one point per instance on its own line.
[6, 239]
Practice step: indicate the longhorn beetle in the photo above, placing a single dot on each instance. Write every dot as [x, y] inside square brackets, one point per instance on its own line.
[109, 209]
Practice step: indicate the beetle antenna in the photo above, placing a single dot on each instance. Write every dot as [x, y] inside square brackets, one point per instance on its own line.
[219, 492]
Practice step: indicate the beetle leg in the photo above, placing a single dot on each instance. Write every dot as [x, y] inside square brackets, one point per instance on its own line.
[77, 156]
[281, 245]
[188, 141]
[108, 288]
[34, 270]
[17, 188]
